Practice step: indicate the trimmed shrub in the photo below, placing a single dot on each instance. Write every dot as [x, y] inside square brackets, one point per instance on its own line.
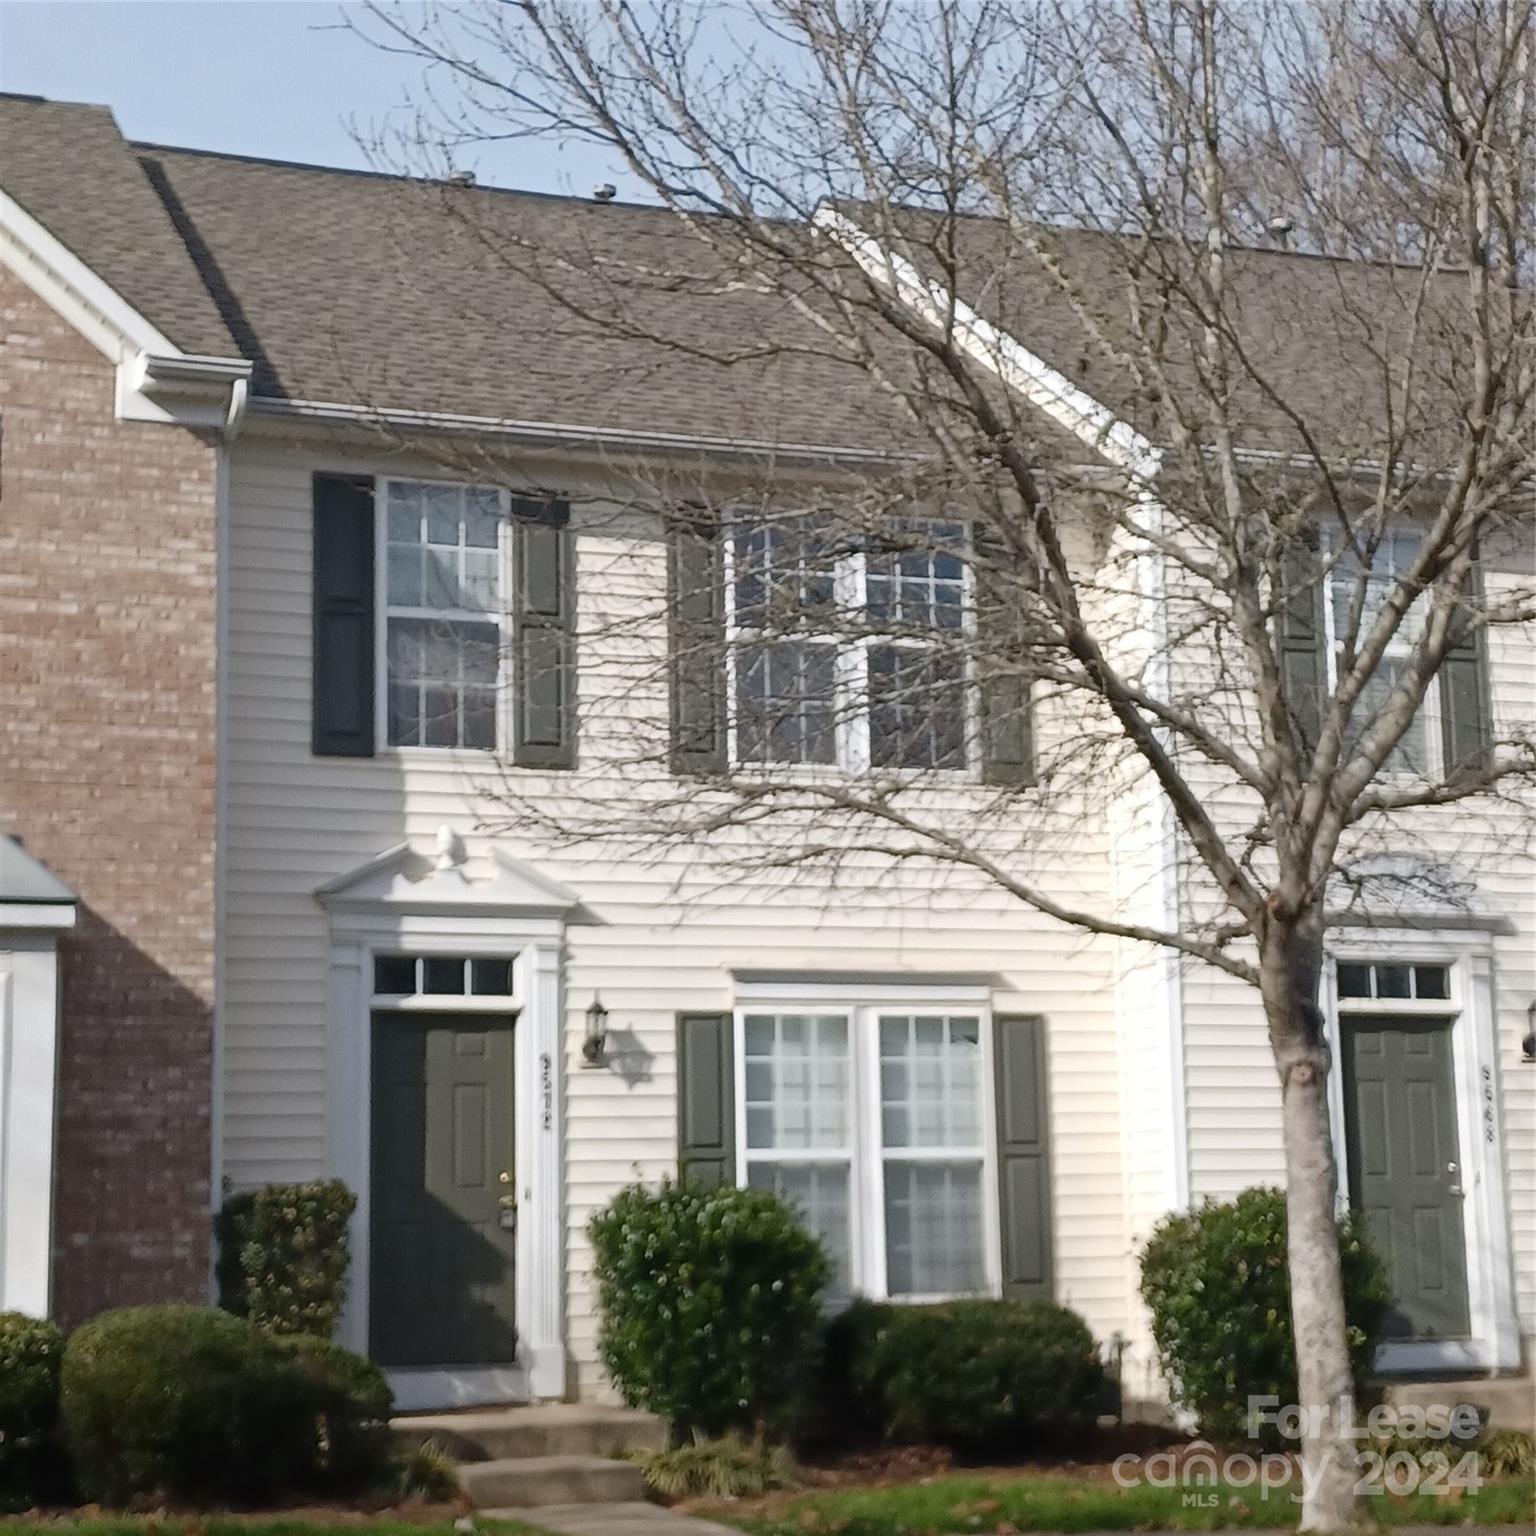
[972, 1375]
[284, 1254]
[350, 1403]
[709, 1303]
[183, 1402]
[32, 1468]
[1216, 1284]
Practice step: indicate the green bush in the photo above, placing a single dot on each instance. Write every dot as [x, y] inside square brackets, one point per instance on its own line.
[283, 1255]
[351, 1404]
[1215, 1282]
[709, 1303]
[731, 1468]
[971, 1375]
[186, 1403]
[32, 1468]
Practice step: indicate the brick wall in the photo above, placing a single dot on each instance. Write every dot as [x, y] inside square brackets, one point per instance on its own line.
[107, 699]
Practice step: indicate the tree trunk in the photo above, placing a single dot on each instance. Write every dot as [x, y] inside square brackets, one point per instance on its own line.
[1292, 964]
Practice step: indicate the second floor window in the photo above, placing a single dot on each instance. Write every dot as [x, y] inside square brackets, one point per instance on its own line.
[445, 603]
[1351, 583]
[848, 652]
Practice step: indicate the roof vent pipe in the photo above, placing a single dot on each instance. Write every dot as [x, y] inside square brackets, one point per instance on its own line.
[461, 178]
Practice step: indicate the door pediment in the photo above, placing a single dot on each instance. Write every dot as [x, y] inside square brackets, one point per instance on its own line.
[409, 878]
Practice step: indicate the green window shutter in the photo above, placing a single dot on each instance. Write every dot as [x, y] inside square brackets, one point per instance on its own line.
[1023, 1155]
[1007, 710]
[1303, 640]
[543, 634]
[342, 690]
[1465, 710]
[696, 613]
[706, 1099]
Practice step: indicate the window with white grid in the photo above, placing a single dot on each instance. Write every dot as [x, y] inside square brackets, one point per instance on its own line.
[931, 1141]
[1350, 581]
[798, 1089]
[871, 1122]
[844, 651]
[444, 600]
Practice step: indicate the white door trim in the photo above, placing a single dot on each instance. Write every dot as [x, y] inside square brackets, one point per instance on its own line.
[29, 1054]
[1494, 1340]
[384, 910]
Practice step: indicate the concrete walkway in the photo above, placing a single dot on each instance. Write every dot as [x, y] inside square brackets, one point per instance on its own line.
[610, 1520]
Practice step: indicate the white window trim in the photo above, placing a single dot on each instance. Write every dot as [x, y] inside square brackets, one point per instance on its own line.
[1430, 709]
[862, 1005]
[851, 674]
[1493, 1341]
[383, 609]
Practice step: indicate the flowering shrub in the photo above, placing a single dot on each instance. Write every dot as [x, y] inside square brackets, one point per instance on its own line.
[1216, 1284]
[709, 1303]
[283, 1256]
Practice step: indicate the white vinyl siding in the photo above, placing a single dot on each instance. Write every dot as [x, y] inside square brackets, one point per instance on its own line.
[292, 821]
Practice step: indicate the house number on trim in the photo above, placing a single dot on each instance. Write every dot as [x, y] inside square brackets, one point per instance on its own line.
[547, 1090]
[1490, 1132]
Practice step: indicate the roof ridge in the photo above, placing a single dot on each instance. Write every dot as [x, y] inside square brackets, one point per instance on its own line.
[140, 146]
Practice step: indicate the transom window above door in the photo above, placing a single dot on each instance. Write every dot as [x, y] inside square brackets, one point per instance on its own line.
[442, 976]
[1393, 981]
[870, 1120]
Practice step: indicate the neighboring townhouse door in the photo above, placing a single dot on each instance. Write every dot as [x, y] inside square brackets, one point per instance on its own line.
[443, 1192]
[1404, 1166]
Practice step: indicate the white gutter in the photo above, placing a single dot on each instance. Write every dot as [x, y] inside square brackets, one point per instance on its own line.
[156, 380]
[553, 433]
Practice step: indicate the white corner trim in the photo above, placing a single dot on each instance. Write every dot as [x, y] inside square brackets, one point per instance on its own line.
[1088, 419]
[1099, 429]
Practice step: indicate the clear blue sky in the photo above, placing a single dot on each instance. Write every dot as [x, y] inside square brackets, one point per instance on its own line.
[258, 77]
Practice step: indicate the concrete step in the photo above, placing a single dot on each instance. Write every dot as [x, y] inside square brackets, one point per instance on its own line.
[530, 1480]
[542, 1429]
[1505, 1402]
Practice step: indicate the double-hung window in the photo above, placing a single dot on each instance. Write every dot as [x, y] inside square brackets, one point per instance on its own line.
[871, 1120]
[848, 651]
[1418, 750]
[445, 555]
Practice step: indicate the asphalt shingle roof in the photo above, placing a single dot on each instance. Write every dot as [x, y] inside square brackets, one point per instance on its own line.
[69, 167]
[382, 292]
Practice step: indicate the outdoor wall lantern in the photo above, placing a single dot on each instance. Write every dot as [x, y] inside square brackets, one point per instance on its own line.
[1528, 1045]
[595, 1047]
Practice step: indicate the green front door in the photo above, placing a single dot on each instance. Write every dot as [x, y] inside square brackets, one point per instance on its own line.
[443, 1217]
[1405, 1168]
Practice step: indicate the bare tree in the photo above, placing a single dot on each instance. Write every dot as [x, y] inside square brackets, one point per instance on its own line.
[1223, 552]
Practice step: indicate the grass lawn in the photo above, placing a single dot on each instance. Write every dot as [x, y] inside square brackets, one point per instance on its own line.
[1005, 1503]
